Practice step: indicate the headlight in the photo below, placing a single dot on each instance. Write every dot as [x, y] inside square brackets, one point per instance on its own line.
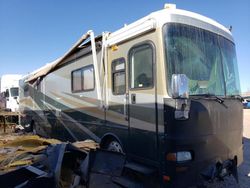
[183, 156]
[180, 156]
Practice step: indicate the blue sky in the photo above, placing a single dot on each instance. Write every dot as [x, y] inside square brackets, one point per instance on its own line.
[33, 32]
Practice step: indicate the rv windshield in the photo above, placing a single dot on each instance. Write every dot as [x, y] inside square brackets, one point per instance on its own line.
[207, 59]
[14, 91]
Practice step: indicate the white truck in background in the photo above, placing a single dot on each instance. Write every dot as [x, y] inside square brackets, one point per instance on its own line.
[10, 90]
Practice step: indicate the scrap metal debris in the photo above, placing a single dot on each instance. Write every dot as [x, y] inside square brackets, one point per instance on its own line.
[31, 161]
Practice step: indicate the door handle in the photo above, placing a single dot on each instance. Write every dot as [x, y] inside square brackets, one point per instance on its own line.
[133, 98]
[126, 107]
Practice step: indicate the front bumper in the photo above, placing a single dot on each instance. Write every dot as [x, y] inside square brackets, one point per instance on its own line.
[196, 173]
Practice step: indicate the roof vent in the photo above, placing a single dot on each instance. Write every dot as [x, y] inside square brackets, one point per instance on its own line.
[170, 6]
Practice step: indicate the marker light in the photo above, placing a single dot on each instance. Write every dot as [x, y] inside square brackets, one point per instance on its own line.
[166, 178]
[114, 47]
[170, 6]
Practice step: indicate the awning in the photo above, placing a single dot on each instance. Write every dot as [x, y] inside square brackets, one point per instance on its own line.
[50, 67]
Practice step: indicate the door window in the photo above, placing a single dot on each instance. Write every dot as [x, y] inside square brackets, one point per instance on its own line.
[141, 67]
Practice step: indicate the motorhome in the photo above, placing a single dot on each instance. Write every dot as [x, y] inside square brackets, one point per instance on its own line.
[10, 91]
[2, 101]
[163, 90]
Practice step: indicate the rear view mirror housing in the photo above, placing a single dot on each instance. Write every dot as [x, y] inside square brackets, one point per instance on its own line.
[179, 86]
[3, 94]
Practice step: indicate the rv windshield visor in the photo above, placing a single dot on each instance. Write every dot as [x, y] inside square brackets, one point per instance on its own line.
[206, 58]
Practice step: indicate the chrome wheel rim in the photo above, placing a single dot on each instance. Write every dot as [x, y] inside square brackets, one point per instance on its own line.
[115, 146]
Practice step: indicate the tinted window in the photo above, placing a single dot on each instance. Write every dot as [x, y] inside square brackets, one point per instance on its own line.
[118, 76]
[230, 67]
[77, 80]
[141, 66]
[207, 59]
[88, 78]
[83, 79]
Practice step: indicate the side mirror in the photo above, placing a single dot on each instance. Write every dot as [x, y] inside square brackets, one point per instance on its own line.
[179, 86]
[7, 94]
[4, 94]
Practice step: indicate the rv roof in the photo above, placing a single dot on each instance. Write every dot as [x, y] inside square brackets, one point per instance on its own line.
[161, 17]
[145, 24]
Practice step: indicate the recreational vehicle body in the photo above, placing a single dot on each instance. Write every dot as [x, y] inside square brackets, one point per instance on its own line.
[164, 90]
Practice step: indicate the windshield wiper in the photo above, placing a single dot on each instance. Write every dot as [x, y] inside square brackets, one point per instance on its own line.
[240, 98]
[208, 95]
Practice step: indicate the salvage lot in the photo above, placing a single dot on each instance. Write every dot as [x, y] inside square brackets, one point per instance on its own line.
[244, 169]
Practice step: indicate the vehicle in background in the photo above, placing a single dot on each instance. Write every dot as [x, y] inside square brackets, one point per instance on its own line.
[246, 102]
[164, 90]
[10, 91]
[2, 101]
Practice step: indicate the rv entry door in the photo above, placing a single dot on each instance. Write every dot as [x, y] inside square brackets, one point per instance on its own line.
[141, 100]
[116, 114]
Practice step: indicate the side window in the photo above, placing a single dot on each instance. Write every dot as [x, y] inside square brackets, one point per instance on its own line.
[141, 67]
[76, 77]
[88, 78]
[83, 79]
[118, 77]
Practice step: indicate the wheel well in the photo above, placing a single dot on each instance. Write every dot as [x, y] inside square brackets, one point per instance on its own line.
[107, 138]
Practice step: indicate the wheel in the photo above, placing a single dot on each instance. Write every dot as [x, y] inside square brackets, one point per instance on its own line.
[115, 146]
